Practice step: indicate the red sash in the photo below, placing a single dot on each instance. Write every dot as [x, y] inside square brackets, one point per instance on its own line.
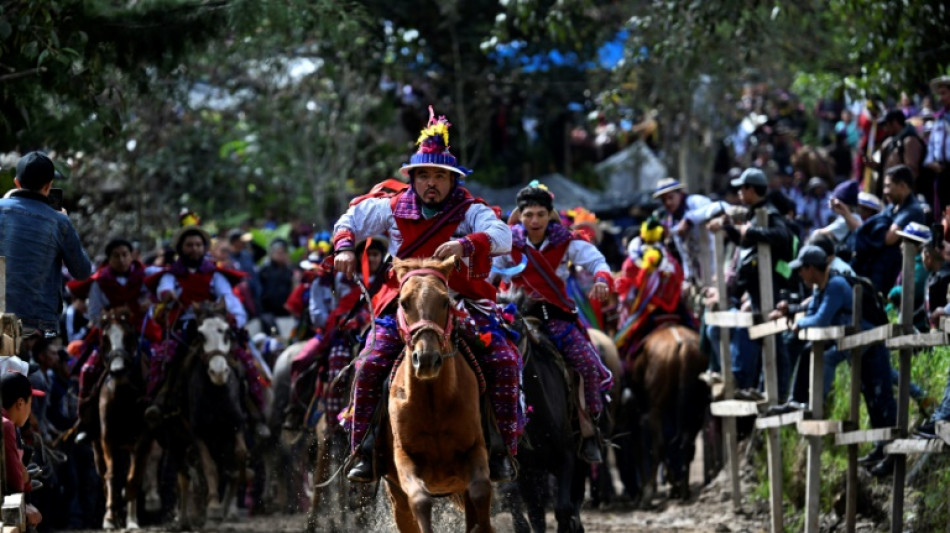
[540, 276]
[422, 237]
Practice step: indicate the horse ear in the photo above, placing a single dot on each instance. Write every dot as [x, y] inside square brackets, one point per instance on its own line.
[447, 266]
[401, 267]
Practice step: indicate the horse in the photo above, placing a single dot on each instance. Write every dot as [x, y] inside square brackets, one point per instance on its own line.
[551, 437]
[213, 409]
[433, 438]
[670, 403]
[286, 479]
[123, 432]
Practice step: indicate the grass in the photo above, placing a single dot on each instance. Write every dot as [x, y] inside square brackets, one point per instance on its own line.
[927, 504]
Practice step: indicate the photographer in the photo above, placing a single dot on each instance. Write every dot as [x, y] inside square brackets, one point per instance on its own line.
[37, 240]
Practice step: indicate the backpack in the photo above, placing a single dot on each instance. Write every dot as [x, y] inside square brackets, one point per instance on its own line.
[873, 307]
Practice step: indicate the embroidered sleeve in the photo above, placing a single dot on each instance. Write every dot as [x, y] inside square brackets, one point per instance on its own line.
[479, 258]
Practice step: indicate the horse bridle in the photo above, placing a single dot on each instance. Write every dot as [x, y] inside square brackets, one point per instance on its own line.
[410, 332]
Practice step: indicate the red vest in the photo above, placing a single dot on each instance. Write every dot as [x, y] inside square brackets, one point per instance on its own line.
[195, 287]
[534, 283]
[461, 282]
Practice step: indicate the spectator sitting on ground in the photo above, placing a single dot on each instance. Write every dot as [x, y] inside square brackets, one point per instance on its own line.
[17, 406]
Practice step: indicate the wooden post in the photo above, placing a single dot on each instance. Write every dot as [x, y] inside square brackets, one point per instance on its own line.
[908, 250]
[854, 416]
[3, 285]
[729, 436]
[816, 401]
[767, 303]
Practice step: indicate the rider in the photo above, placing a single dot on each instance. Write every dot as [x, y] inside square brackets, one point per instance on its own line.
[548, 248]
[192, 279]
[118, 283]
[650, 288]
[434, 217]
[335, 307]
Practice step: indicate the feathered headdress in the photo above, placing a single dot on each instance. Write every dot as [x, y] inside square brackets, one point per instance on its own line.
[434, 148]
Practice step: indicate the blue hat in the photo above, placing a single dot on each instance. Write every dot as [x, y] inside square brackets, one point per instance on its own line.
[666, 185]
[916, 231]
[434, 149]
[847, 192]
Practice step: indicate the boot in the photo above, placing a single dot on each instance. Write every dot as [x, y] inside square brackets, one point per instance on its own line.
[875, 456]
[884, 468]
[363, 470]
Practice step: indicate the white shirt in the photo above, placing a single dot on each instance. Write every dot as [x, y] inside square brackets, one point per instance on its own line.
[220, 288]
[374, 216]
[938, 146]
[579, 253]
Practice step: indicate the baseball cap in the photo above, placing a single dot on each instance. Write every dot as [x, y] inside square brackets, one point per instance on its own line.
[751, 176]
[35, 169]
[13, 386]
[810, 255]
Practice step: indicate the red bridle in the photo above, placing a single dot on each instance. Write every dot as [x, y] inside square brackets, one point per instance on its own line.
[409, 332]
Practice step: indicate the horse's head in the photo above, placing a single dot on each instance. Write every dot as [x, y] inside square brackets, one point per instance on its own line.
[214, 333]
[425, 313]
[118, 339]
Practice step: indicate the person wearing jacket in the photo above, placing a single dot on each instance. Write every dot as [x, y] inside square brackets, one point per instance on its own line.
[37, 241]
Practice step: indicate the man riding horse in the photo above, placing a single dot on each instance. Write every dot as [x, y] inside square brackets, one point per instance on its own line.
[335, 308]
[547, 249]
[194, 279]
[650, 287]
[434, 217]
[118, 283]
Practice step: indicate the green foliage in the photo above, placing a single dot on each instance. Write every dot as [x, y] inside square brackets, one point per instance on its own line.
[931, 371]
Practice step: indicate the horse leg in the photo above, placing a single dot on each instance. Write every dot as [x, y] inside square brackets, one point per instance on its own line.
[237, 477]
[421, 503]
[133, 485]
[564, 505]
[478, 498]
[533, 487]
[402, 512]
[153, 501]
[513, 503]
[184, 483]
[214, 509]
[321, 472]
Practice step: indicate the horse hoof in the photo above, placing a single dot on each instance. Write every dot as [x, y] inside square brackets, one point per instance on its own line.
[153, 503]
[215, 512]
[107, 523]
[132, 525]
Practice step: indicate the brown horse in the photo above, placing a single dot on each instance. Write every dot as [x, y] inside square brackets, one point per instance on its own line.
[121, 416]
[672, 402]
[434, 431]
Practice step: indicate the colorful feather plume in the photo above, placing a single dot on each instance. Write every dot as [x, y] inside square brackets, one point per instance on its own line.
[434, 139]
